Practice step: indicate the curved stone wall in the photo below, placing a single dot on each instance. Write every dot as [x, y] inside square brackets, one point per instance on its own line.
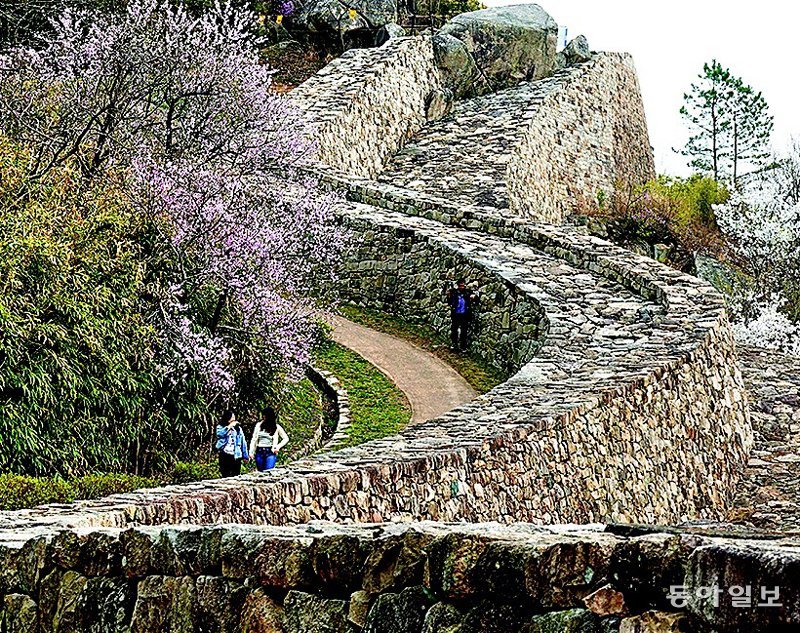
[536, 149]
[403, 271]
[586, 137]
[632, 410]
[628, 404]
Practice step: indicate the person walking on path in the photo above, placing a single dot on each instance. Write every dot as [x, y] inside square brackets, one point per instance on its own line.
[231, 445]
[268, 439]
[461, 301]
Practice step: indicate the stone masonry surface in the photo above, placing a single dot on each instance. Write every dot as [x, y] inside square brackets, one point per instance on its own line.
[538, 148]
[767, 496]
[364, 105]
[408, 578]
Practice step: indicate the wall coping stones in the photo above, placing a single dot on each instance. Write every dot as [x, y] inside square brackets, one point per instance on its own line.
[337, 394]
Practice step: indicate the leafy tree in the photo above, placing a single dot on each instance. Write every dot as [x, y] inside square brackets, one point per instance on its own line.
[175, 114]
[729, 122]
[76, 382]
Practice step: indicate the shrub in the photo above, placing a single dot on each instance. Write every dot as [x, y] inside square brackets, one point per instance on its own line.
[186, 472]
[98, 485]
[75, 384]
[21, 491]
[678, 213]
[18, 491]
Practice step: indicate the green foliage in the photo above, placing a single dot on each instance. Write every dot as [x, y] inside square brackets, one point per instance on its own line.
[674, 212]
[300, 414]
[78, 392]
[377, 406]
[447, 8]
[186, 472]
[95, 485]
[729, 122]
[20, 491]
[694, 197]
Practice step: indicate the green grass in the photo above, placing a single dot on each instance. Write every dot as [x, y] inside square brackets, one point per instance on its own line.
[378, 408]
[300, 415]
[478, 373]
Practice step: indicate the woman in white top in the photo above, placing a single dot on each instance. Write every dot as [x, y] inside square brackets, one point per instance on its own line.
[268, 439]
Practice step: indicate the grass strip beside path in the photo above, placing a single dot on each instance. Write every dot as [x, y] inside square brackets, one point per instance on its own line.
[377, 407]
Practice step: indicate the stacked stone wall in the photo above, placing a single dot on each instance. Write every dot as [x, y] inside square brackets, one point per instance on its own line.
[589, 136]
[395, 579]
[364, 105]
[399, 271]
[636, 414]
[538, 150]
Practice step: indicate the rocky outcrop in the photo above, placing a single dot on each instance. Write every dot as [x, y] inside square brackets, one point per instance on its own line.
[457, 67]
[578, 50]
[334, 25]
[506, 44]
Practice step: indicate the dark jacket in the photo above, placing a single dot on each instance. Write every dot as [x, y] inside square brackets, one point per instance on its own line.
[470, 298]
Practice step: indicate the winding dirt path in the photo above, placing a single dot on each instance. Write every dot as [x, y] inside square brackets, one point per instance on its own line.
[431, 385]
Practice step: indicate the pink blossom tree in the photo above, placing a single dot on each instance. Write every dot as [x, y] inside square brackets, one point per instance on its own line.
[178, 110]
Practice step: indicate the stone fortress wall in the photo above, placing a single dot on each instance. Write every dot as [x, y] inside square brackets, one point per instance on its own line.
[392, 578]
[360, 122]
[626, 403]
[535, 148]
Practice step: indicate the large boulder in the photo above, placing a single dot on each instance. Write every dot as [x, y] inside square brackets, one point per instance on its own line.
[507, 44]
[456, 65]
[333, 24]
[578, 50]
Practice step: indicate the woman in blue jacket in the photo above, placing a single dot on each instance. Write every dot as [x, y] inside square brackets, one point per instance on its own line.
[231, 445]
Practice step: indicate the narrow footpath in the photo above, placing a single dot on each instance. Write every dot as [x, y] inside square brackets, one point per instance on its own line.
[431, 385]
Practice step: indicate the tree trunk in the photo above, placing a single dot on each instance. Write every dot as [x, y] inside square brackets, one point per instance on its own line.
[735, 147]
[714, 138]
[215, 319]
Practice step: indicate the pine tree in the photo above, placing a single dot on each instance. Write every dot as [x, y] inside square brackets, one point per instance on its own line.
[729, 122]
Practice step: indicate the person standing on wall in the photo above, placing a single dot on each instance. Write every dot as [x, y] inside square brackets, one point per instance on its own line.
[231, 445]
[268, 439]
[462, 303]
